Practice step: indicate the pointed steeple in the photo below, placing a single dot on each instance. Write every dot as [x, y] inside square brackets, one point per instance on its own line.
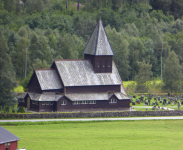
[98, 43]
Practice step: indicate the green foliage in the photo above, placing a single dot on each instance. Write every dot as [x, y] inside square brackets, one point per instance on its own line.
[7, 76]
[49, 31]
[25, 82]
[21, 110]
[172, 73]
[143, 77]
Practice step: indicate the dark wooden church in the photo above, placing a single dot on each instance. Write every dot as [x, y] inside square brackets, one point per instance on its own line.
[88, 84]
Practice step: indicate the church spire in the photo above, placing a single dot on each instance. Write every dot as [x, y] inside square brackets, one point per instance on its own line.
[98, 43]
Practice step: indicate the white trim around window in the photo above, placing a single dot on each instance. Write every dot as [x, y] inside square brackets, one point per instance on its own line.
[63, 103]
[112, 101]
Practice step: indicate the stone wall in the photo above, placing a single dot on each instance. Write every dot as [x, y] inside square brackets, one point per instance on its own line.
[92, 114]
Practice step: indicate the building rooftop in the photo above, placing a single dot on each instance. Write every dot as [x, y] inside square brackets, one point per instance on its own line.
[48, 79]
[98, 43]
[81, 73]
[6, 136]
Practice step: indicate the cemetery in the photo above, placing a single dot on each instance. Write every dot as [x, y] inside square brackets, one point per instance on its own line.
[147, 102]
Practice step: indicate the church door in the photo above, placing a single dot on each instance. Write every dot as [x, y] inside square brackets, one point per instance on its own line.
[28, 102]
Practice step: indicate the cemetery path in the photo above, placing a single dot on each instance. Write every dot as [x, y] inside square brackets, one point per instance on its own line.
[98, 119]
[151, 107]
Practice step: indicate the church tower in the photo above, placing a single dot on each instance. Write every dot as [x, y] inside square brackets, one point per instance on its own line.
[99, 51]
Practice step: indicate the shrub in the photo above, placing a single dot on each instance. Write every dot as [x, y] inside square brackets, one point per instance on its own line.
[21, 109]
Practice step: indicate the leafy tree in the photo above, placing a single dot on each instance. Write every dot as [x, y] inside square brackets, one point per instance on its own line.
[71, 46]
[20, 61]
[7, 75]
[40, 64]
[25, 82]
[121, 51]
[10, 5]
[143, 76]
[172, 73]
[34, 5]
[84, 25]
[136, 50]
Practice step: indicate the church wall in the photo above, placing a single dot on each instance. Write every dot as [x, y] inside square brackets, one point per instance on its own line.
[34, 107]
[100, 105]
[93, 89]
[47, 108]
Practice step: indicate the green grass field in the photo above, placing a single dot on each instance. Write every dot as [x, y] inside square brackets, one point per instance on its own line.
[114, 135]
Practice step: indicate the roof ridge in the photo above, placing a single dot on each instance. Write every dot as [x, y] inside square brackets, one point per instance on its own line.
[44, 69]
[71, 59]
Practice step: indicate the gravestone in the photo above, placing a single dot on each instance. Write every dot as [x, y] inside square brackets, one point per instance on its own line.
[138, 101]
[178, 105]
[7, 109]
[159, 98]
[133, 103]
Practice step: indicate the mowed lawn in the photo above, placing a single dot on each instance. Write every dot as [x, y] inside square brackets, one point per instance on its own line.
[114, 135]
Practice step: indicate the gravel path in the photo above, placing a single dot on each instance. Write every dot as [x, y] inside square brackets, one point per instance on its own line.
[98, 119]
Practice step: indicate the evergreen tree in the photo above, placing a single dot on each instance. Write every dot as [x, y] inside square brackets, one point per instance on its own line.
[172, 73]
[7, 75]
[143, 76]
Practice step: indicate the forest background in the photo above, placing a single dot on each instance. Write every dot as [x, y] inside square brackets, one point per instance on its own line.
[140, 33]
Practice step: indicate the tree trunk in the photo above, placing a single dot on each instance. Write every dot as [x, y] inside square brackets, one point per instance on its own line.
[78, 6]
[67, 4]
[92, 5]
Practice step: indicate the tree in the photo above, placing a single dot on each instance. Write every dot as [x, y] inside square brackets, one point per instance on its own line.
[143, 76]
[172, 73]
[121, 51]
[7, 75]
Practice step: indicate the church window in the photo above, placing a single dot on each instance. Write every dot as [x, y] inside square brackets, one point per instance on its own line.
[84, 102]
[63, 103]
[111, 101]
[76, 102]
[92, 102]
[21, 100]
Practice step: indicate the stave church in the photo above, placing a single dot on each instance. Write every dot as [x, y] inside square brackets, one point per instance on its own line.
[89, 84]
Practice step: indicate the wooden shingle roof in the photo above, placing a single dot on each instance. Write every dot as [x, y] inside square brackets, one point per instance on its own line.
[48, 79]
[81, 73]
[98, 43]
